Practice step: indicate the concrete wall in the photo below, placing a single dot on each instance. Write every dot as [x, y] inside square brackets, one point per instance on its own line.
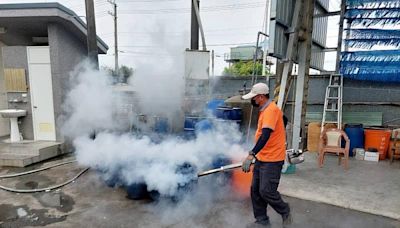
[66, 51]
[358, 96]
[4, 123]
[16, 57]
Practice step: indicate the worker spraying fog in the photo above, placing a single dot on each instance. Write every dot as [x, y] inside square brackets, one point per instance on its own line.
[269, 153]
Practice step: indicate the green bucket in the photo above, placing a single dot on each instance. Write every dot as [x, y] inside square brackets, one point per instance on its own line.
[290, 169]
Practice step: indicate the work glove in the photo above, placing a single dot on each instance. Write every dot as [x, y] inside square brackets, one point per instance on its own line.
[247, 163]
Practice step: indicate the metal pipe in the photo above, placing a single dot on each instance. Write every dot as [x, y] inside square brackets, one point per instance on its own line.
[220, 169]
[255, 57]
[253, 81]
[44, 189]
[36, 170]
[223, 168]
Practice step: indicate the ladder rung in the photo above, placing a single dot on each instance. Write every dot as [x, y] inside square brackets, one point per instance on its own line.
[334, 86]
[333, 98]
[331, 110]
[331, 122]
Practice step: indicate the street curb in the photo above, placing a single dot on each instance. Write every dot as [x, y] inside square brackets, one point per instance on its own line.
[301, 196]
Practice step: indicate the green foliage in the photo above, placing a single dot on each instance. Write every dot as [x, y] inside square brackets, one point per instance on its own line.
[124, 73]
[243, 68]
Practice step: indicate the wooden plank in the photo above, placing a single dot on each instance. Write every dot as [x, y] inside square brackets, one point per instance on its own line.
[15, 80]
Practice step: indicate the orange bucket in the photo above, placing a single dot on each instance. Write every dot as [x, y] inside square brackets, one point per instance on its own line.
[378, 139]
[241, 182]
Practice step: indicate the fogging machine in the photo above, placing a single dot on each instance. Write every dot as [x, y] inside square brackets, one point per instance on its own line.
[293, 157]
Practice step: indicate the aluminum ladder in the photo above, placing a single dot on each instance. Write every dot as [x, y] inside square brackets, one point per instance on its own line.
[333, 102]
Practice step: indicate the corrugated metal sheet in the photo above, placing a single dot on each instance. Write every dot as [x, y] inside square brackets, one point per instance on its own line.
[324, 4]
[284, 11]
[365, 118]
[320, 27]
[281, 18]
[317, 57]
[278, 40]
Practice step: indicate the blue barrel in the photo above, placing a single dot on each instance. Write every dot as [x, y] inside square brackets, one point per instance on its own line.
[236, 114]
[161, 125]
[154, 195]
[224, 177]
[188, 183]
[112, 181]
[219, 161]
[213, 104]
[355, 132]
[110, 176]
[203, 126]
[224, 113]
[189, 171]
[190, 122]
[189, 134]
[136, 191]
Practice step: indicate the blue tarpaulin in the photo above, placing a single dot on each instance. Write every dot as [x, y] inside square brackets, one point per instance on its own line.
[372, 3]
[380, 65]
[372, 65]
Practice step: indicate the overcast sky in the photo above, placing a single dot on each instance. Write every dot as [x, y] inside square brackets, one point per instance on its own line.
[226, 23]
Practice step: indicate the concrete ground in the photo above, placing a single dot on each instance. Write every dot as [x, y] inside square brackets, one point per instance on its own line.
[27, 152]
[366, 186]
[88, 202]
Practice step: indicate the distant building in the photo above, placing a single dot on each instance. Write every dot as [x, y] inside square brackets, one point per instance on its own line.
[244, 53]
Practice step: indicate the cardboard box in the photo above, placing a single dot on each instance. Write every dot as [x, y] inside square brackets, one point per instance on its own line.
[359, 153]
[371, 156]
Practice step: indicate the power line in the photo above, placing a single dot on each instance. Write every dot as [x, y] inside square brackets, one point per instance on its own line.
[142, 1]
[215, 30]
[232, 44]
[221, 44]
[203, 9]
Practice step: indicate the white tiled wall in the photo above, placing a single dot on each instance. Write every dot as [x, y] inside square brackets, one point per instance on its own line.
[4, 123]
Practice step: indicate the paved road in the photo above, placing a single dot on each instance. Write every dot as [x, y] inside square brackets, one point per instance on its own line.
[89, 203]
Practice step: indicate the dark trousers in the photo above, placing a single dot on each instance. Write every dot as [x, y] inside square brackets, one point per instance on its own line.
[264, 190]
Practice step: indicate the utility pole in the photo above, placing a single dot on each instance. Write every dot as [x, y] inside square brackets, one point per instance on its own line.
[91, 34]
[194, 34]
[304, 56]
[212, 62]
[114, 14]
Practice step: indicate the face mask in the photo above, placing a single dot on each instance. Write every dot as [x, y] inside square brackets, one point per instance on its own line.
[253, 102]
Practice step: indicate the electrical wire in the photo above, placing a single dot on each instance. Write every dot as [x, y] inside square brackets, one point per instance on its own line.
[143, 1]
[188, 10]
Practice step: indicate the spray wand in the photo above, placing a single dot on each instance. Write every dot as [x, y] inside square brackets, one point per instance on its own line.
[293, 156]
[222, 169]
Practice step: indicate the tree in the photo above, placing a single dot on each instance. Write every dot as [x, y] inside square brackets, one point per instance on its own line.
[243, 68]
[124, 73]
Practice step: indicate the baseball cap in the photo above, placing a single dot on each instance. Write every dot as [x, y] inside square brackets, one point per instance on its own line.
[259, 88]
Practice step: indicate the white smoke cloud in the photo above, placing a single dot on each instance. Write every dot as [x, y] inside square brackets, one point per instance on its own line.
[92, 104]
[159, 77]
[89, 103]
[140, 159]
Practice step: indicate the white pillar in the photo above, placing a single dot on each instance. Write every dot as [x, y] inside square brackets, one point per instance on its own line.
[14, 135]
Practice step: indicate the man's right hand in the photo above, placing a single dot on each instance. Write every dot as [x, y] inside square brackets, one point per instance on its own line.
[247, 163]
